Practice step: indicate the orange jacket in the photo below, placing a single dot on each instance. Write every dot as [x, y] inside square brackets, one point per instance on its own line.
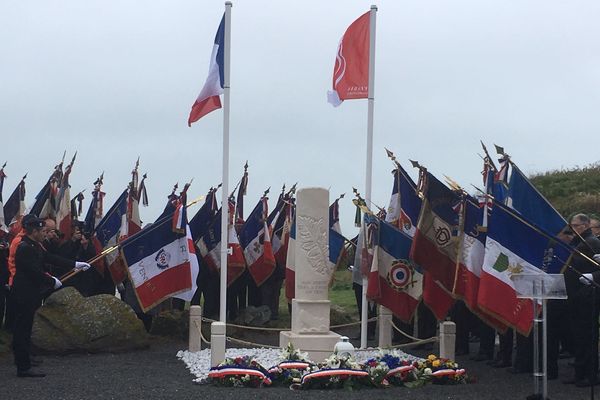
[11, 256]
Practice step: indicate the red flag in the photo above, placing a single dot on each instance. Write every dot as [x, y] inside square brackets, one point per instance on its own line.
[351, 71]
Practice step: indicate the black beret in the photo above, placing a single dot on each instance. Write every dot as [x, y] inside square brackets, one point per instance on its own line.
[31, 221]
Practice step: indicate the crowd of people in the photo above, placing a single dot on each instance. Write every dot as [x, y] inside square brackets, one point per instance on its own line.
[32, 263]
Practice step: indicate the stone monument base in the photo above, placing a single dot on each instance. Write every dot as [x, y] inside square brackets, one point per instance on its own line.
[319, 346]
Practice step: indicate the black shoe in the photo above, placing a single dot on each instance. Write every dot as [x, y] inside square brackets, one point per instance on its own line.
[585, 383]
[36, 362]
[30, 373]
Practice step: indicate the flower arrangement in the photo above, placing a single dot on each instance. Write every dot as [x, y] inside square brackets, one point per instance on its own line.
[293, 365]
[388, 368]
[240, 372]
[440, 371]
[336, 372]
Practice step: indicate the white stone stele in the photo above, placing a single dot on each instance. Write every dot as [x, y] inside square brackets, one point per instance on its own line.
[310, 309]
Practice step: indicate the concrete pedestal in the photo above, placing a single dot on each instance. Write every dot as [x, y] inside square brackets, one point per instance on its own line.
[319, 346]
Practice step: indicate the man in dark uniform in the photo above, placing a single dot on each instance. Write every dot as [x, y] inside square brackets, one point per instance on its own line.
[30, 283]
[583, 302]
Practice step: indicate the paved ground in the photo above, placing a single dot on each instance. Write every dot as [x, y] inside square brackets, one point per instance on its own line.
[157, 374]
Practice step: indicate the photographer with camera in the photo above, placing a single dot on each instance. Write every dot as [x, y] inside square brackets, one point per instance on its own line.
[79, 247]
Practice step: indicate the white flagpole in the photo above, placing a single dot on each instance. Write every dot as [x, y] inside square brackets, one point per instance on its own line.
[225, 188]
[369, 167]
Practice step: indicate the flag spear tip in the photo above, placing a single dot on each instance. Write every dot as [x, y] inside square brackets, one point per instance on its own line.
[4, 164]
[499, 150]
[415, 164]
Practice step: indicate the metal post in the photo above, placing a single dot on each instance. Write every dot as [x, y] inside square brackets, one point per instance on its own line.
[537, 374]
[225, 189]
[369, 162]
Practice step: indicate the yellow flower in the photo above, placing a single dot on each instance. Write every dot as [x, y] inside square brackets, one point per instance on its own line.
[436, 363]
[431, 357]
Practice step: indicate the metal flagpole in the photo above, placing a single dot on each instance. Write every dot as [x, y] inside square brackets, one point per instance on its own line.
[225, 188]
[369, 167]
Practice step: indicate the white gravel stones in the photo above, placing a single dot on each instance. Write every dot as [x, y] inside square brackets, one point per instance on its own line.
[199, 362]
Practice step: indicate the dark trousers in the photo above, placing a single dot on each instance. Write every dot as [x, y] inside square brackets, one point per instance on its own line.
[584, 320]
[22, 334]
[487, 340]
[462, 317]
[269, 292]
[559, 330]
[371, 308]
[505, 349]
[427, 322]
[524, 353]
[3, 297]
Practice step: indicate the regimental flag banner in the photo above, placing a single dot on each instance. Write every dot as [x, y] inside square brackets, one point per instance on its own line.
[531, 204]
[208, 100]
[107, 234]
[281, 233]
[210, 247]
[515, 247]
[351, 70]
[204, 217]
[435, 245]
[405, 203]
[290, 263]
[96, 211]
[394, 282]
[14, 208]
[158, 261]
[63, 203]
[472, 242]
[194, 268]
[256, 242]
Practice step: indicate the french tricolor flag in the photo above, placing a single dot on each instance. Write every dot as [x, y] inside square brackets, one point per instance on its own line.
[208, 100]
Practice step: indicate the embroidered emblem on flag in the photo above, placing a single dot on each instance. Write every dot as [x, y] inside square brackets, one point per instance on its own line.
[162, 259]
[400, 274]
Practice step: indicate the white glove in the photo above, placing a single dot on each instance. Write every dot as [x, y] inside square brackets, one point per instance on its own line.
[57, 283]
[80, 265]
[596, 258]
[586, 281]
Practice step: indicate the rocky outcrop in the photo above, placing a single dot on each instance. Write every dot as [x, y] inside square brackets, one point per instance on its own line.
[69, 322]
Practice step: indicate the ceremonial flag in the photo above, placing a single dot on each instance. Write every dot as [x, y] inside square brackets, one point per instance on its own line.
[281, 231]
[239, 202]
[96, 210]
[204, 217]
[394, 280]
[136, 193]
[435, 245]
[63, 204]
[290, 262]
[351, 70]
[108, 232]
[334, 215]
[14, 208]
[45, 201]
[471, 253]
[208, 100]
[159, 264]
[531, 204]
[210, 247]
[194, 269]
[405, 203]
[256, 242]
[514, 246]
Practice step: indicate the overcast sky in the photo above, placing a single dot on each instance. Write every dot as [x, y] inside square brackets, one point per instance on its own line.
[114, 80]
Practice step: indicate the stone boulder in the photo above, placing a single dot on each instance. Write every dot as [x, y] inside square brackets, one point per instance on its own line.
[71, 323]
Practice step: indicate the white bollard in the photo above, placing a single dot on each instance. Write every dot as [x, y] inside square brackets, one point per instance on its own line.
[217, 343]
[195, 340]
[385, 327]
[447, 340]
